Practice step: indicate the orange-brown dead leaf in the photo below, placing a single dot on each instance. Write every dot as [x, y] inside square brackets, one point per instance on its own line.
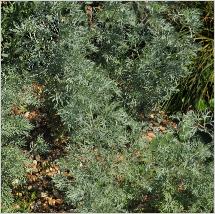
[50, 174]
[174, 125]
[152, 116]
[16, 110]
[16, 206]
[137, 153]
[66, 174]
[56, 167]
[45, 205]
[35, 162]
[19, 194]
[151, 134]
[45, 163]
[149, 138]
[89, 12]
[33, 115]
[38, 88]
[146, 198]
[164, 122]
[98, 158]
[32, 177]
[37, 157]
[58, 201]
[51, 201]
[30, 187]
[162, 112]
[44, 195]
[162, 128]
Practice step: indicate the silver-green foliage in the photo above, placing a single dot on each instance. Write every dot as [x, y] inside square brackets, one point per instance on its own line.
[111, 166]
[106, 174]
[39, 146]
[16, 94]
[181, 163]
[176, 173]
[146, 53]
[13, 170]
[16, 97]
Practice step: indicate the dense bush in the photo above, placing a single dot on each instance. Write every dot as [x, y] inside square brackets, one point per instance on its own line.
[147, 53]
[17, 96]
[102, 68]
[174, 171]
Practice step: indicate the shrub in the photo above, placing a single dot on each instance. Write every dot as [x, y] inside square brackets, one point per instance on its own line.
[175, 173]
[13, 174]
[180, 170]
[17, 96]
[100, 67]
[144, 51]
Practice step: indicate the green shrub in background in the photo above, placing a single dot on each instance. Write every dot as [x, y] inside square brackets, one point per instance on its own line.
[19, 52]
[29, 37]
[17, 96]
[99, 71]
[144, 51]
[13, 174]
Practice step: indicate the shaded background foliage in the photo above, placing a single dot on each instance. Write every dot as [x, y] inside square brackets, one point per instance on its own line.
[104, 67]
[196, 90]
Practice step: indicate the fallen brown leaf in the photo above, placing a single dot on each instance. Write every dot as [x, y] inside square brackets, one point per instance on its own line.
[44, 195]
[30, 187]
[32, 177]
[149, 138]
[120, 178]
[33, 115]
[164, 122]
[137, 153]
[16, 206]
[45, 205]
[174, 125]
[51, 201]
[38, 88]
[38, 157]
[27, 114]
[151, 134]
[162, 128]
[16, 110]
[58, 201]
[152, 116]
